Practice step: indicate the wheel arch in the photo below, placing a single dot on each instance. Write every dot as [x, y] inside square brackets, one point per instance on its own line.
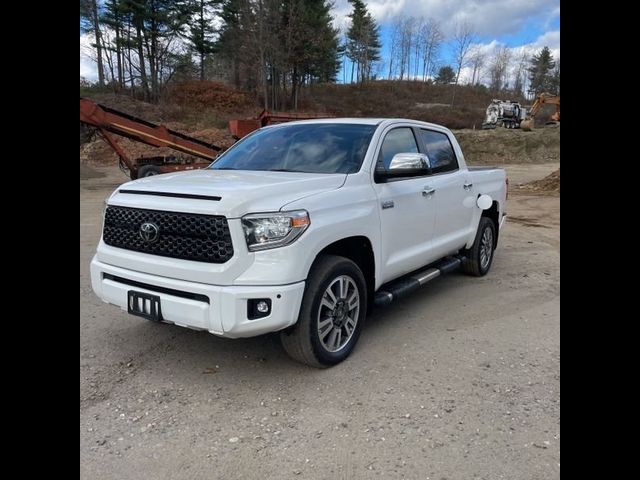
[359, 250]
[493, 213]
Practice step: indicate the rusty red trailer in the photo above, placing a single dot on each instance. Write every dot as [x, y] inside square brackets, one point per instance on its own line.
[109, 121]
[200, 154]
[242, 127]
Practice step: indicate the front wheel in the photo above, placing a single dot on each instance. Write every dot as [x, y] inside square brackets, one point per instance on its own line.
[332, 313]
[479, 257]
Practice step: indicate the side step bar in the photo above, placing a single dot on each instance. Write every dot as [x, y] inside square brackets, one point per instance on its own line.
[408, 284]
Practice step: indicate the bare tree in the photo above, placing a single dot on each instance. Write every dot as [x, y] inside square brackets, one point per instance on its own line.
[476, 60]
[396, 35]
[406, 38]
[431, 37]
[499, 68]
[91, 23]
[463, 37]
[520, 72]
[418, 46]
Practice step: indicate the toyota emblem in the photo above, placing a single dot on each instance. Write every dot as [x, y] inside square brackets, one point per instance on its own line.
[149, 232]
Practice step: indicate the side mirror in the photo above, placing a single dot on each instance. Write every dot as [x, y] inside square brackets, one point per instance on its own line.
[407, 165]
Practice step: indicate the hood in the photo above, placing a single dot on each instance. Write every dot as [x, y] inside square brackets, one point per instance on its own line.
[240, 191]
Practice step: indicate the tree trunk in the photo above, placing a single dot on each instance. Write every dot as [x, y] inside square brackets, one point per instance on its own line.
[453, 97]
[143, 69]
[96, 26]
[153, 62]
[296, 88]
[202, 40]
[119, 53]
[265, 85]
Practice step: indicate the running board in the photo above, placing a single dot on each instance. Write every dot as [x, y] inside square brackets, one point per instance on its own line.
[408, 284]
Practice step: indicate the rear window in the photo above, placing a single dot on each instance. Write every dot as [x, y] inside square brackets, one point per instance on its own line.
[310, 148]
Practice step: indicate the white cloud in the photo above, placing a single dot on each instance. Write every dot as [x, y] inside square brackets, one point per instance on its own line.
[489, 17]
[550, 39]
[88, 68]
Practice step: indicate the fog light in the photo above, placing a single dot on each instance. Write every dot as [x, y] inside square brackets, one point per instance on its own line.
[258, 308]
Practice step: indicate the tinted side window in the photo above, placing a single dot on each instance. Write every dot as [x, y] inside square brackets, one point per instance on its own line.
[398, 140]
[440, 151]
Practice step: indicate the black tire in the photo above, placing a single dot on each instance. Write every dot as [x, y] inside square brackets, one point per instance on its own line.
[475, 262]
[148, 170]
[302, 341]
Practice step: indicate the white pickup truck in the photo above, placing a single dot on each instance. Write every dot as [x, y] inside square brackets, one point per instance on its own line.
[300, 228]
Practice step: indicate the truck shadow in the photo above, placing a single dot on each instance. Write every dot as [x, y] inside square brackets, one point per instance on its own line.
[187, 353]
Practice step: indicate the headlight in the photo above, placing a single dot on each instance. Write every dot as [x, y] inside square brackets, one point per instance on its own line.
[271, 230]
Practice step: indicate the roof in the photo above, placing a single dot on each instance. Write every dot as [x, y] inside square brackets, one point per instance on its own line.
[356, 121]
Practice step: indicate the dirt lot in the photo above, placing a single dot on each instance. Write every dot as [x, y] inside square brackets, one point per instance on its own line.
[459, 381]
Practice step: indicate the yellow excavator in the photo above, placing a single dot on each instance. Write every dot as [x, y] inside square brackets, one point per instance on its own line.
[527, 123]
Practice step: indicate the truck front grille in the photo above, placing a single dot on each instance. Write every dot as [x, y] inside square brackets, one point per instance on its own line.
[189, 236]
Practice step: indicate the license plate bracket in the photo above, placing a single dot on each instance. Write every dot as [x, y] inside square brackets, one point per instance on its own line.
[144, 305]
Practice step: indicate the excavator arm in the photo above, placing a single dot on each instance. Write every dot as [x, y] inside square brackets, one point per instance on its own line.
[109, 121]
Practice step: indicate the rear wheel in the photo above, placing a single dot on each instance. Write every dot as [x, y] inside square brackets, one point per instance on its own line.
[332, 314]
[479, 257]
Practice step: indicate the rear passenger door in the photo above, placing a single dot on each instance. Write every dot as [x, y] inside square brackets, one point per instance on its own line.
[453, 193]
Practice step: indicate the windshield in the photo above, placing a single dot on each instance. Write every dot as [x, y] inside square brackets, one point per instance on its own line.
[310, 148]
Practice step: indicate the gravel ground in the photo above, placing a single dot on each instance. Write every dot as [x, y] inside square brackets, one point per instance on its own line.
[459, 381]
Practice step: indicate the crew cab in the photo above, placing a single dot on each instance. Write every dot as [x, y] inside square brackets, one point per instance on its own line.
[300, 228]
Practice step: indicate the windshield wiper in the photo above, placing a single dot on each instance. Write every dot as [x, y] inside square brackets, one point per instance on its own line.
[280, 170]
[224, 168]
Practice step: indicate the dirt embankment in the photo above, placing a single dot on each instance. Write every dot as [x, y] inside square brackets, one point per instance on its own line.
[481, 147]
[502, 146]
[550, 183]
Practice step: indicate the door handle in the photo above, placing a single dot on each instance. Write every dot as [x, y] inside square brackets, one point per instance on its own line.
[467, 186]
[427, 191]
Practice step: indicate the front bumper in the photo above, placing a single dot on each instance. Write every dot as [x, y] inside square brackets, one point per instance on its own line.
[224, 314]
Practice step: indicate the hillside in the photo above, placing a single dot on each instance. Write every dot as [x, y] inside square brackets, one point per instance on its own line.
[202, 109]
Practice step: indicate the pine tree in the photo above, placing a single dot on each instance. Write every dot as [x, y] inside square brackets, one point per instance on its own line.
[540, 72]
[157, 24]
[446, 75]
[274, 46]
[202, 30]
[114, 17]
[363, 40]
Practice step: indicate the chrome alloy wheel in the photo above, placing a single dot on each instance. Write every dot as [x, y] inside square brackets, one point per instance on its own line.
[486, 248]
[338, 313]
